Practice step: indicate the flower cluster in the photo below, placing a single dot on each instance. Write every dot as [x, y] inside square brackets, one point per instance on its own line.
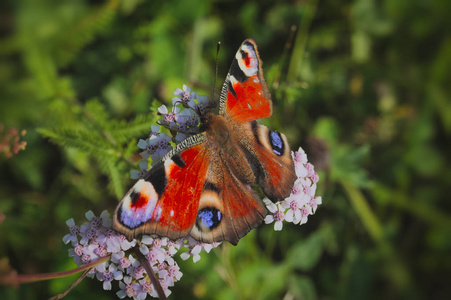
[96, 239]
[10, 143]
[302, 201]
[183, 119]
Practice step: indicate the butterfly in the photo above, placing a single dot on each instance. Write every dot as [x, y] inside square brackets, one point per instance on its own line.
[204, 186]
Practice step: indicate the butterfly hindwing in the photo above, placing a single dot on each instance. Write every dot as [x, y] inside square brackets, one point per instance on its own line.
[165, 201]
[245, 96]
[228, 207]
[276, 175]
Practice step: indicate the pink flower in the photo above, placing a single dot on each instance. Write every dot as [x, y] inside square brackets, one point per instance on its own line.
[306, 211]
[302, 201]
[194, 248]
[294, 204]
[109, 275]
[128, 288]
[278, 214]
[314, 202]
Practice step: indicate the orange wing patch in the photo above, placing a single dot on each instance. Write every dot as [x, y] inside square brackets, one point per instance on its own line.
[166, 201]
[176, 210]
[248, 100]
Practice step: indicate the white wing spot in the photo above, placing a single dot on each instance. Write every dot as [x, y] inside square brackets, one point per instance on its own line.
[252, 69]
[158, 216]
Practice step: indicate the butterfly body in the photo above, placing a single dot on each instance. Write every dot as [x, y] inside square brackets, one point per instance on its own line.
[204, 186]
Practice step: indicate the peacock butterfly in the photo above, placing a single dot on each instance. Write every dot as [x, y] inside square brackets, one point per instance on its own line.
[203, 187]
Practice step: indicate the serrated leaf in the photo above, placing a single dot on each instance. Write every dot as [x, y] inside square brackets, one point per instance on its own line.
[89, 142]
[139, 126]
[97, 112]
[115, 178]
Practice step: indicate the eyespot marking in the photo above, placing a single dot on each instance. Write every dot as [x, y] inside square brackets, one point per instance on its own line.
[208, 218]
[138, 206]
[276, 142]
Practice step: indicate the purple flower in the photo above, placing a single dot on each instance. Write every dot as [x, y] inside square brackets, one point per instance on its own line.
[143, 165]
[108, 275]
[154, 129]
[96, 222]
[155, 147]
[184, 97]
[74, 232]
[204, 103]
[306, 211]
[128, 288]
[168, 117]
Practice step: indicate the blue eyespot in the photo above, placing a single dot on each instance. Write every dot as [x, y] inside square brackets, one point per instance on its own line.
[276, 142]
[208, 218]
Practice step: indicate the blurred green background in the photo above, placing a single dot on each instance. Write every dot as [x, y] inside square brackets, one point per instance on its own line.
[362, 86]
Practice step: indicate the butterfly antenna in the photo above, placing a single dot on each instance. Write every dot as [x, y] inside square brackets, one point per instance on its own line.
[216, 71]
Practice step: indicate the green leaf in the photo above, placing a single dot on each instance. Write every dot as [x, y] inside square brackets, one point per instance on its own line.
[116, 177]
[139, 126]
[87, 141]
[348, 162]
[302, 287]
[305, 254]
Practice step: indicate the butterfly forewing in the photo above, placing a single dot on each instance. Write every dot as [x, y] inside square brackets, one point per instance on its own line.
[245, 96]
[166, 200]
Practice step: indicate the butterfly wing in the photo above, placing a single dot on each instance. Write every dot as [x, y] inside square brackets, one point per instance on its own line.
[245, 96]
[270, 155]
[228, 208]
[165, 202]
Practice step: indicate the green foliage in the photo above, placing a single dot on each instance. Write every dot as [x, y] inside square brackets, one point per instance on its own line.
[109, 141]
[362, 86]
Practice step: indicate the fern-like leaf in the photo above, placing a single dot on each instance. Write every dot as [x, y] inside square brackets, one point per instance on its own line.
[139, 126]
[86, 30]
[114, 170]
[86, 141]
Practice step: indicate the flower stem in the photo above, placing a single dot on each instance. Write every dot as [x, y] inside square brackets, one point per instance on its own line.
[82, 276]
[153, 278]
[15, 279]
